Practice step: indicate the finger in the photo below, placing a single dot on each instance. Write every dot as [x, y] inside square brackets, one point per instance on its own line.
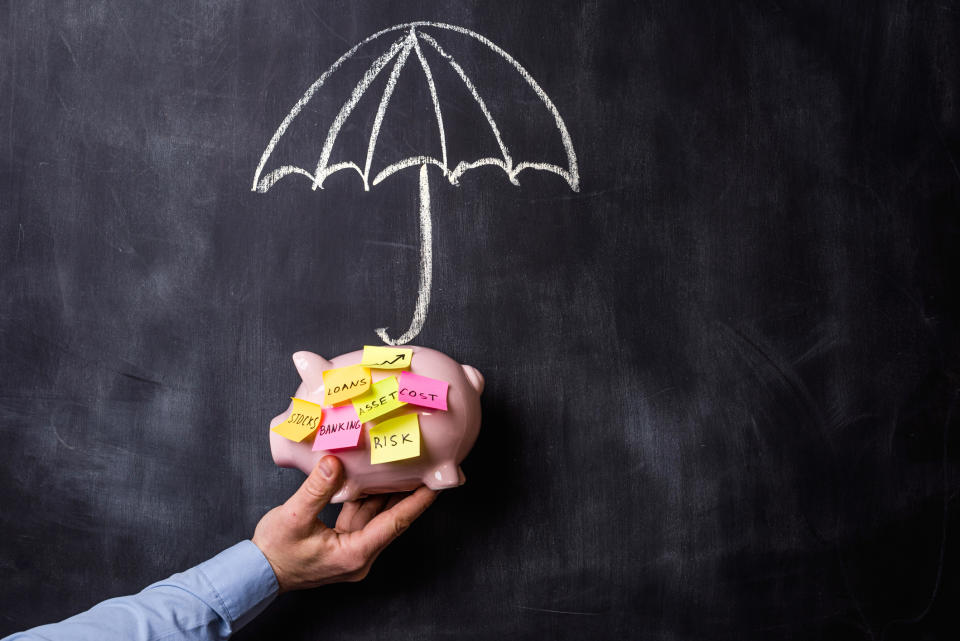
[390, 524]
[348, 521]
[315, 493]
[346, 515]
[369, 509]
[394, 499]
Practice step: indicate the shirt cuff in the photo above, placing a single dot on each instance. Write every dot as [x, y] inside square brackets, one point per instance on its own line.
[243, 580]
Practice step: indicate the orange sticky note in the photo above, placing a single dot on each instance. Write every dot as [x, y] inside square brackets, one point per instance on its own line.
[395, 440]
[302, 422]
[344, 383]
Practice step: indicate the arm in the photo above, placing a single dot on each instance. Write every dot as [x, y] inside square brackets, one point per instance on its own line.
[209, 601]
[291, 549]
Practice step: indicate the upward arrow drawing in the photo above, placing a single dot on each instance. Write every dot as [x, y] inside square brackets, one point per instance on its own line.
[399, 357]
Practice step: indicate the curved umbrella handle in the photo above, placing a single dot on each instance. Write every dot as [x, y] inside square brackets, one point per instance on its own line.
[426, 269]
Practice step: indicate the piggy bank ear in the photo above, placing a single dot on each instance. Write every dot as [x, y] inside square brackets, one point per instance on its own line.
[475, 377]
[311, 368]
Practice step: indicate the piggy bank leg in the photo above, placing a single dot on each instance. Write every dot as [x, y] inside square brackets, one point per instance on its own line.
[349, 492]
[443, 476]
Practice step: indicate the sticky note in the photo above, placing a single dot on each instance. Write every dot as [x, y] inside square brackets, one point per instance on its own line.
[423, 391]
[386, 357]
[303, 420]
[344, 383]
[339, 428]
[395, 440]
[381, 399]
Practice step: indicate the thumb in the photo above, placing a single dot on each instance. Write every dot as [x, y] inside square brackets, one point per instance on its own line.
[323, 482]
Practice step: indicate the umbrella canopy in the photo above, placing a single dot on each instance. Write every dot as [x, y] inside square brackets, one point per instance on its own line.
[418, 42]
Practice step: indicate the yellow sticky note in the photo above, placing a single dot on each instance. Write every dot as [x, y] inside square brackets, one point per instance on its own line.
[395, 440]
[344, 383]
[383, 397]
[386, 357]
[303, 420]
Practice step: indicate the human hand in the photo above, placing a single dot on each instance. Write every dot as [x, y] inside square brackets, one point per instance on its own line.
[305, 553]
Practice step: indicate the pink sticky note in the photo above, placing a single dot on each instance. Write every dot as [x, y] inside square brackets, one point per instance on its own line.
[339, 428]
[423, 391]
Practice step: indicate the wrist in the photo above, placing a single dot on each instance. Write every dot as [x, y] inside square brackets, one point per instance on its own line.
[282, 585]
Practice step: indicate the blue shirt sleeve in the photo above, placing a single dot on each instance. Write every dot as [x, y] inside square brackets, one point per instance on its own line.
[208, 602]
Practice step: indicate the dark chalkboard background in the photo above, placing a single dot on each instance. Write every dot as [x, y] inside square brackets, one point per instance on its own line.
[722, 378]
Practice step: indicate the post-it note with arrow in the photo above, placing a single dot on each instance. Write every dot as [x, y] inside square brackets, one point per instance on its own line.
[386, 357]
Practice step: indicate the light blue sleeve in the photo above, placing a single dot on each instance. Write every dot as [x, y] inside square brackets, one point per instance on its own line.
[210, 601]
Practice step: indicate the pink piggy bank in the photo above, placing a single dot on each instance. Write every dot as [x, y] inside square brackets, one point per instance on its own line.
[445, 436]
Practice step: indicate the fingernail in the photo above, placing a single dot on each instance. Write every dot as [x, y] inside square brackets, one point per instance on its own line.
[326, 467]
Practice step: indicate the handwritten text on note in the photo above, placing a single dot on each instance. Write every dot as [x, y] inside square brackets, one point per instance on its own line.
[395, 440]
[344, 383]
[303, 420]
[339, 428]
[382, 398]
[423, 391]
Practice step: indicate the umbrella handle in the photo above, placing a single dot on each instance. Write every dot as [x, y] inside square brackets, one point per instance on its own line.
[426, 269]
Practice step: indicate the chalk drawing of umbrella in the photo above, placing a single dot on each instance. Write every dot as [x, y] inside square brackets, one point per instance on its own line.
[414, 39]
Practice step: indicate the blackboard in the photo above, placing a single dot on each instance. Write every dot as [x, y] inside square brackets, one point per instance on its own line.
[722, 375]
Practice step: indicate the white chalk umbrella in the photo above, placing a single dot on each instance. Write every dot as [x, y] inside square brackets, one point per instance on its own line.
[414, 36]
